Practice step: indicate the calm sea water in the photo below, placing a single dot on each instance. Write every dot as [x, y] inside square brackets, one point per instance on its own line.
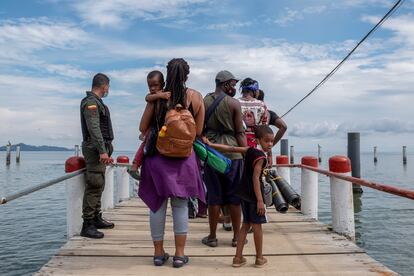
[33, 228]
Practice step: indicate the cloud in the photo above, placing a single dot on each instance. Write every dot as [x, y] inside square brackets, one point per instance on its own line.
[291, 15]
[116, 13]
[330, 129]
[229, 25]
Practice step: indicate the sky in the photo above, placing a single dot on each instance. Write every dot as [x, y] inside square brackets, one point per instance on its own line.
[51, 49]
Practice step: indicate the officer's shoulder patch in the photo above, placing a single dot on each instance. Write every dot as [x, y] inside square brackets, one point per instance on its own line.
[92, 106]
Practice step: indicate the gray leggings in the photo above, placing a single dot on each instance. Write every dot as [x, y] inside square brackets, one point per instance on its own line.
[179, 208]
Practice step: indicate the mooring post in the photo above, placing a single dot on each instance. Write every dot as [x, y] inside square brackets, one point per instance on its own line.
[284, 147]
[17, 154]
[75, 188]
[342, 201]
[284, 172]
[319, 154]
[292, 155]
[122, 179]
[309, 188]
[76, 150]
[8, 154]
[404, 155]
[354, 156]
[375, 155]
[108, 193]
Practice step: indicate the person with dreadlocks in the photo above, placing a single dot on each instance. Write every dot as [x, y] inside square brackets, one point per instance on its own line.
[274, 120]
[254, 111]
[173, 178]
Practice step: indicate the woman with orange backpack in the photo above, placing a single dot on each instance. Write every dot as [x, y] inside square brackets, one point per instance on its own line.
[172, 171]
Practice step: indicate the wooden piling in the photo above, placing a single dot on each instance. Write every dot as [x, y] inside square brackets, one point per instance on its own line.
[375, 155]
[319, 154]
[292, 157]
[354, 155]
[405, 155]
[284, 147]
[8, 154]
[77, 150]
[17, 154]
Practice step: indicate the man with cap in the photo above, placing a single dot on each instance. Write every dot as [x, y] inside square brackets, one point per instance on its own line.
[96, 148]
[224, 125]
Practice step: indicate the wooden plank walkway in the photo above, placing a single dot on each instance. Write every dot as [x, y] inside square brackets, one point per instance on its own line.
[293, 245]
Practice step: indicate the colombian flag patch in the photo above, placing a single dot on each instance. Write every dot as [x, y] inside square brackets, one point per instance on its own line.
[92, 107]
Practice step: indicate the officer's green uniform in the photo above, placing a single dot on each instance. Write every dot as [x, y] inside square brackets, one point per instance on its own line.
[97, 139]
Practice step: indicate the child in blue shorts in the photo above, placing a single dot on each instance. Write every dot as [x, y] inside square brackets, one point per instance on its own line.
[249, 191]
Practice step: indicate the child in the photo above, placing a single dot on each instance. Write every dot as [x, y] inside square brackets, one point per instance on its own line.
[155, 81]
[249, 191]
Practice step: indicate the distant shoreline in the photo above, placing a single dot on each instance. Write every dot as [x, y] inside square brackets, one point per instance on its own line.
[24, 147]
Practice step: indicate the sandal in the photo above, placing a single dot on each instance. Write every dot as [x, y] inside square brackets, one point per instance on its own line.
[160, 260]
[234, 242]
[209, 242]
[180, 261]
[227, 226]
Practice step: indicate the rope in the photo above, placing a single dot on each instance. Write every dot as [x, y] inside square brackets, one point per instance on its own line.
[383, 19]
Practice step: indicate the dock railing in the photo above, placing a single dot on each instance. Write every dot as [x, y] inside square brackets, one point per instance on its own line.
[75, 187]
[342, 208]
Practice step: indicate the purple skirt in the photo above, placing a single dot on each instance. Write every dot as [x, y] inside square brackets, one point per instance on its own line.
[163, 177]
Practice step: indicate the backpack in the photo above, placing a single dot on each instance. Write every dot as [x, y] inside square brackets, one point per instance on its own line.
[177, 136]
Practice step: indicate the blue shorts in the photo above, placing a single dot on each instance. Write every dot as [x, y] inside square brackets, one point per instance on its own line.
[221, 188]
[250, 215]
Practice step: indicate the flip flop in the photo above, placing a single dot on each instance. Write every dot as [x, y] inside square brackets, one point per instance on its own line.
[160, 260]
[209, 242]
[180, 261]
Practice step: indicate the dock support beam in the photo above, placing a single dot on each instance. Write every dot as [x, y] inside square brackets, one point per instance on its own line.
[354, 156]
[309, 188]
[342, 201]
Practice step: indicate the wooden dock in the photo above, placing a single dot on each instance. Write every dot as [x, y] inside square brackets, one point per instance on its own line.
[293, 245]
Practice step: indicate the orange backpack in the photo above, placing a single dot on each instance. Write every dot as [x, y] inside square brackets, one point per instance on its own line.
[177, 136]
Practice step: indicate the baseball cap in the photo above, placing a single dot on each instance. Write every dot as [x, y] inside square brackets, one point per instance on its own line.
[224, 76]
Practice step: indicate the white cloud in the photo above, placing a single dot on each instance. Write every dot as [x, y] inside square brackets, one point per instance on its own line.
[229, 25]
[115, 13]
[291, 15]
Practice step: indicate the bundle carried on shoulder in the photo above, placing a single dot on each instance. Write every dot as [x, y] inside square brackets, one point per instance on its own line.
[213, 158]
[177, 136]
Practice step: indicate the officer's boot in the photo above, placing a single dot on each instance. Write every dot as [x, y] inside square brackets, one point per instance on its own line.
[89, 230]
[101, 223]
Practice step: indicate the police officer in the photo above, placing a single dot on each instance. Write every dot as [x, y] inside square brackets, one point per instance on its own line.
[96, 148]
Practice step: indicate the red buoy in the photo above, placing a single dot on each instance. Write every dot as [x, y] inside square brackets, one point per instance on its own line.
[339, 164]
[74, 163]
[122, 159]
[311, 161]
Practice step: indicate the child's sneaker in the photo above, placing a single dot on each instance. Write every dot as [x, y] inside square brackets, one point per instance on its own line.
[238, 262]
[260, 262]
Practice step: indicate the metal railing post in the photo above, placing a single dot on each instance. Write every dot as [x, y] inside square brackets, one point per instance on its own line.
[309, 188]
[75, 188]
[122, 179]
[342, 197]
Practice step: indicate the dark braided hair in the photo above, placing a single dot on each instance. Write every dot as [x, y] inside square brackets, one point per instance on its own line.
[177, 73]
